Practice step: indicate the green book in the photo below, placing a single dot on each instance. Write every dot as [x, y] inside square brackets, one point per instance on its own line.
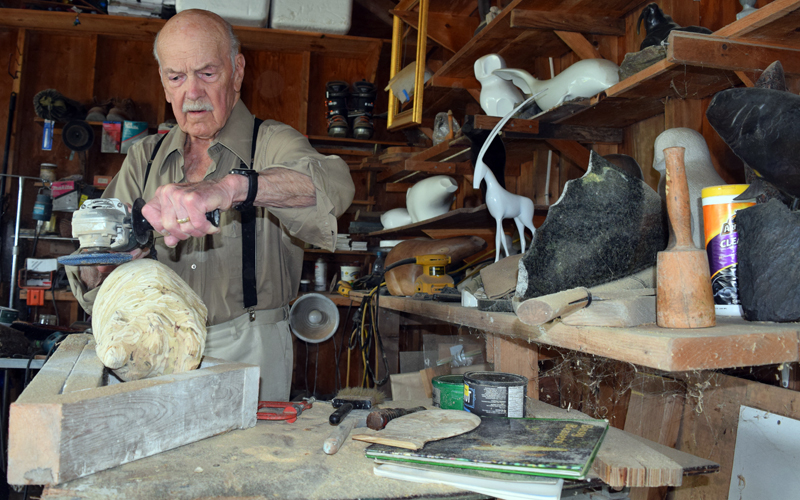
[544, 447]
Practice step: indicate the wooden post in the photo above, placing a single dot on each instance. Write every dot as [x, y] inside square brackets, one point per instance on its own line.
[515, 356]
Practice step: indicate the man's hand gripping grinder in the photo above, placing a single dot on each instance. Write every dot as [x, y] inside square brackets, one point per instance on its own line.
[107, 230]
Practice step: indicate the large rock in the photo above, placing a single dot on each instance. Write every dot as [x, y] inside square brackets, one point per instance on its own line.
[762, 126]
[769, 277]
[605, 226]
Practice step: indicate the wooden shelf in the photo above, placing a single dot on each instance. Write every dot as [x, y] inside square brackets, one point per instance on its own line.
[519, 46]
[338, 252]
[347, 146]
[732, 343]
[472, 218]
[137, 28]
[696, 66]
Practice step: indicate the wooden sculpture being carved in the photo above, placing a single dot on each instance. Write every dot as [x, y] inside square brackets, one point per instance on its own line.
[148, 322]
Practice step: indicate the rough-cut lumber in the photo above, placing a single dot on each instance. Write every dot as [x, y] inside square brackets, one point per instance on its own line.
[628, 460]
[733, 342]
[716, 52]
[61, 428]
[711, 420]
[567, 21]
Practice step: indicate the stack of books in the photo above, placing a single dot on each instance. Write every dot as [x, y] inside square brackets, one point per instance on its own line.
[359, 246]
[342, 241]
[509, 458]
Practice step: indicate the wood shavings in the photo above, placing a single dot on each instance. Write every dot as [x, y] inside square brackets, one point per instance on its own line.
[148, 322]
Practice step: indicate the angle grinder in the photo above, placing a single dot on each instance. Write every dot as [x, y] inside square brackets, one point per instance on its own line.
[107, 230]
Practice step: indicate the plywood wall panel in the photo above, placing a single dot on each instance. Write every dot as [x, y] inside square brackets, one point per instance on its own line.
[273, 84]
[126, 69]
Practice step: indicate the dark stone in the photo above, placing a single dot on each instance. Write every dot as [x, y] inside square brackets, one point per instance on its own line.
[657, 25]
[605, 226]
[762, 127]
[767, 254]
[771, 78]
[635, 62]
[627, 164]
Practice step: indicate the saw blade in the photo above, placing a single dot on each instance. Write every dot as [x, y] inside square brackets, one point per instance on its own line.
[95, 259]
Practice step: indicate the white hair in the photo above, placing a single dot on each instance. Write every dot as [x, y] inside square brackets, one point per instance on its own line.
[233, 42]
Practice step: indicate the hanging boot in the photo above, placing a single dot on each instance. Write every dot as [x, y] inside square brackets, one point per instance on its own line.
[363, 105]
[336, 93]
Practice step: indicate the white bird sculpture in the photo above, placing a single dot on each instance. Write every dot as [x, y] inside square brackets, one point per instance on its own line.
[585, 78]
[501, 203]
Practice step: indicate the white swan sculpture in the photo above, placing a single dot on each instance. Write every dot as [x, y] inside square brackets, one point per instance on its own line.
[501, 203]
[585, 78]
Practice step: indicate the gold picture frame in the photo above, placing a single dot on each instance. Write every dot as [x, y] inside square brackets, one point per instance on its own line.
[397, 120]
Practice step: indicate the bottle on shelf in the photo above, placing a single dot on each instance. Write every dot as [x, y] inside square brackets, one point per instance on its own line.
[320, 275]
[377, 266]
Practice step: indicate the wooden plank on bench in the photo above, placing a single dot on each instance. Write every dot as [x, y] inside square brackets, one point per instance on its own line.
[56, 435]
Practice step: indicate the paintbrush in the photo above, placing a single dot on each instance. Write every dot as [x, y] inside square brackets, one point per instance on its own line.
[362, 398]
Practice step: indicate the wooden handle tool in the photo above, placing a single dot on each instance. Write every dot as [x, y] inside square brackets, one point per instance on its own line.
[377, 419]
[684, 298]
[334, 442]
[540, 310]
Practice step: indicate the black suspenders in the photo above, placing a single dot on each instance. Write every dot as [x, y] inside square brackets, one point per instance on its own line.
[249, 239]
[248, 226]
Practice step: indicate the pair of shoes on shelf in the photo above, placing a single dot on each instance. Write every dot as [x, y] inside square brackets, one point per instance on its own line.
[362, 104]
[113, 110]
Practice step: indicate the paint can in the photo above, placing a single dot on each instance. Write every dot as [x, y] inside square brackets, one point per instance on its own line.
[722, 238]
[495, 394]
[448, 392]
[350, 273]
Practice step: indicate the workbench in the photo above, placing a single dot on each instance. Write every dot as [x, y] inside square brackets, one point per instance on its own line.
[274, 459]
[285, 460]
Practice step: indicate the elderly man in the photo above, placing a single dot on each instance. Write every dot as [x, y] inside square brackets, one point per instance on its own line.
[248, 269]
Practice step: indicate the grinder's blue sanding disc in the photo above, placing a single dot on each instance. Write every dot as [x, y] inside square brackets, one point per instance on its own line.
[95, 259]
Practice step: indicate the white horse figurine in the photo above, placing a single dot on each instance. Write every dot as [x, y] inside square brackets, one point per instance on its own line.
[501, 203]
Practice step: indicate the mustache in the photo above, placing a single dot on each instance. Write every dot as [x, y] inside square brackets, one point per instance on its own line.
[199, 105]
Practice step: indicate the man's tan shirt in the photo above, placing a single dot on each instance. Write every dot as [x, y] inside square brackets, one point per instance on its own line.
[212, 265]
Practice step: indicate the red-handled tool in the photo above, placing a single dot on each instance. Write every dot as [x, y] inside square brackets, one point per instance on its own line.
[291, 410]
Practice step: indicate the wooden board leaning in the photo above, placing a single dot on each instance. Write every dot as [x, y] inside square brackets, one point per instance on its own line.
[71, 421]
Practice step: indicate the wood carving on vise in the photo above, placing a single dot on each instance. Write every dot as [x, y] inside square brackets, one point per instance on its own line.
[501, 203]
[657, 25]
[148, 322]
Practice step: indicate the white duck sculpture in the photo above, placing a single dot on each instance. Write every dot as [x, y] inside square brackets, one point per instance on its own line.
[498, 96]
[501, 203]
[585, 78]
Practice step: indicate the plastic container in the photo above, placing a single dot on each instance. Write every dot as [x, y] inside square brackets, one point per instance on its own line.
[330, 16]
[320, 275]
[448, 392]
[48, 172]
[350, 273]
[241, 13]
[719, 210]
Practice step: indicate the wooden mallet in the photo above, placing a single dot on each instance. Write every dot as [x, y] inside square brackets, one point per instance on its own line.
[684, 298]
